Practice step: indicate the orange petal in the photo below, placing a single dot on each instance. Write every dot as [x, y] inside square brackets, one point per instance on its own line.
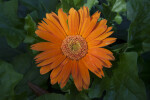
[102, 23]
[98, 52]
[84, 19]
[97, 32]
[89, 28]
[75, 69]
[64, 83]
[105, 35]
[84, 85]
[54, 80]
[63, 19]
[65, 73]
[54, 29]
[95, 61]
[93, 43]
[91, 66]
[57, 70]
[58, 61]
[56, 22]
[85, 24]
[84, 72]
[91, 25]
[47, 36]
[106, 63]
[43, 46]
[98, 63]
[43, 26]
[80, 11]
[85, 11]
[45, 69]
[47, 54]
[48, 61]
[106, 42]
[73, 21]
[105, 51]
[76, 75]
[108, 29]
[79, 82]
[96, 15]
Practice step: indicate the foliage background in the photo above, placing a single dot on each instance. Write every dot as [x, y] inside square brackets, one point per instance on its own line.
[128, 79]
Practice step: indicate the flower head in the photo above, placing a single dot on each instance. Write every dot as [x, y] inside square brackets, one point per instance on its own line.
[75, 46]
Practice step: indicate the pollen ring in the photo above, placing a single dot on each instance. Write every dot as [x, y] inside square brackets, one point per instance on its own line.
[74, 47]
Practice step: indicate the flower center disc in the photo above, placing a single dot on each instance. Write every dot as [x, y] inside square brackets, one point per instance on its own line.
[74, 47]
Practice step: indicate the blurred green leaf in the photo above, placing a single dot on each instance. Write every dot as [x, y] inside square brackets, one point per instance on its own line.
[77, 96]
[8, 80]
[71, 92]
[51, 96]
[112, 10]
[91, 3]
[118, 19]
[118, 5]
[98, 87]
[40, 6]
[124, 84]
[24, 64]
[30, 27]
[127, 84]
[10, 25]
[139, 32]
[29, 39]
[107, 13]
[6, 51]
[67, 4]
[144, 71]
[9, 8]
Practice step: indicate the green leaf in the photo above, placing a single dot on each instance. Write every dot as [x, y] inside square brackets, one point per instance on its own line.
[6, 51]
[72, 93]
[127, 84]
[51, 96]
[91, 3]
[40, 6]
[139, 31]
[118, 19]
[144, 69]
[67, 4]
[10, 25]
[118, 5]
[124, 84]
[98, 87]
[8, 80]
[77, 96]
[24, 64]
[29, 39]
[9, 9]
[30, 27]
[112, 9]
[107, 13]
[50, 5]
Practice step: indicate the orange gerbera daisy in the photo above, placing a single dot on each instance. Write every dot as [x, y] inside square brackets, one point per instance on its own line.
[74, 46]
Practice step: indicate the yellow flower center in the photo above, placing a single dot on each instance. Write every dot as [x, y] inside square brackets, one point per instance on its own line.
[74, 47]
